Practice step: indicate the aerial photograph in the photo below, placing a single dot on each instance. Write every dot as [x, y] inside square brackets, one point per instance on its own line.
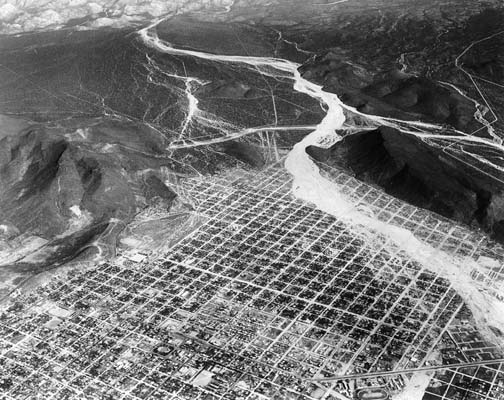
[251, 199]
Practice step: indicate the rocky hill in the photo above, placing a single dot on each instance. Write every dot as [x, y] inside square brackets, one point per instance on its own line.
[421, 174]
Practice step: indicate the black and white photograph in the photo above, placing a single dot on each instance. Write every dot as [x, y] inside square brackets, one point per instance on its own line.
[251, 200]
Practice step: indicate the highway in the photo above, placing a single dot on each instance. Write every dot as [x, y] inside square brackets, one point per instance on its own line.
[407, 371]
